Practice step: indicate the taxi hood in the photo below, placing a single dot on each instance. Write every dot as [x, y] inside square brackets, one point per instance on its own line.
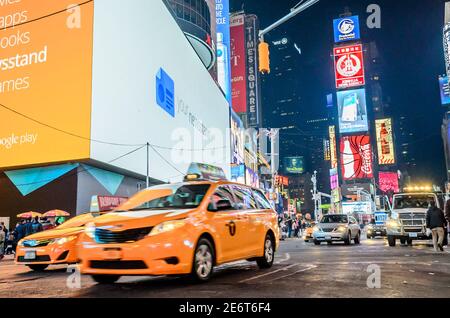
[142, 218]
[55, 233]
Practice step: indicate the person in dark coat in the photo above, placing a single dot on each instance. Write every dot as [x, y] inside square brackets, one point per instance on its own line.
[28, 227]
[21, 231]
[436, 222]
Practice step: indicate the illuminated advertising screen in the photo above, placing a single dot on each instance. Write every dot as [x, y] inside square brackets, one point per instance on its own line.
[352, 208]
[336, 195]
[385, 142]
[223, 46]
[346, 29]
[388, 182]
[334, 179]
[252, 66]
[330, 101]
[238, 64]
[352, 111]
[349, 66]
[444, 87]
[45, 74]
[333, 147]
[356, 157]
[326, 150]
[294, 165]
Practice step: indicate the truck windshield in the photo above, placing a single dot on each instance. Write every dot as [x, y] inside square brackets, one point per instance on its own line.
[418, 201]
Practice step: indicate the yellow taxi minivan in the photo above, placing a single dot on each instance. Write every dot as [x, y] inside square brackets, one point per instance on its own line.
[176, 229]
[52, 247]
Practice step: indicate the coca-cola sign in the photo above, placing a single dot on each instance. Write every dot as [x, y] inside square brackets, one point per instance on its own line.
[349, 66]
[356, 157]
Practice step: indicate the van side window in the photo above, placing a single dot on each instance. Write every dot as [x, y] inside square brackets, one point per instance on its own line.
[223, 193]
[244, 198]
[261, 200]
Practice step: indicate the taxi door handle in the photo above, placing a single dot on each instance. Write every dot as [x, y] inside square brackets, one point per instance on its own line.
[242, 217]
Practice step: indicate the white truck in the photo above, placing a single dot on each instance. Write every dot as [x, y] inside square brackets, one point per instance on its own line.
[407, 220]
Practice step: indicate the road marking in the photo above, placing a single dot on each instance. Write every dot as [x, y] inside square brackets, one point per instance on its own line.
[296, 272]
[270, 273]
[288, 257]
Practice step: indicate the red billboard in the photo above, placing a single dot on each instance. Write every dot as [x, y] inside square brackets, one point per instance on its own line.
[349, 66]
[389, 182]
[356, 157]
[238, 64]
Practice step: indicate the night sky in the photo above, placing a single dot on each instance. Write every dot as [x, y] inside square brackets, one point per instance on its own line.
[410, 43]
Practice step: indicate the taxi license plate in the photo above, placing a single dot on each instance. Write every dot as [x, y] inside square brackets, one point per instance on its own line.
[412, 234]
[378, 232]
[30, 255]
[115, 254]
[328, 238]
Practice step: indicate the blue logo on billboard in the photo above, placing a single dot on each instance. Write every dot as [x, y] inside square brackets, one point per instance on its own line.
[346, 29]
[165, 92]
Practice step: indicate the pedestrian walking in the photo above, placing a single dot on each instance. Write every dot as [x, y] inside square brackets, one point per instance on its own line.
[10, 248]
[36, 226]
[436, 222]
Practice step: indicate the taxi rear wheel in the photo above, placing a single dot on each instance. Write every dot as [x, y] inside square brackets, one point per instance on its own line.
[38, 268]
[105, 279]
[269, 253]
[203, 263]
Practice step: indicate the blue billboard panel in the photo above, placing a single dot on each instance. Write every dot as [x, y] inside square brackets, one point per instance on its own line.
[223, 47]
[445, 90]
[352, 111]
[346, 29]
[330, 101]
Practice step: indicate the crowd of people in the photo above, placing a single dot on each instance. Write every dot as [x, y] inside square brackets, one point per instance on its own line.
[10, 238]
[292, 225]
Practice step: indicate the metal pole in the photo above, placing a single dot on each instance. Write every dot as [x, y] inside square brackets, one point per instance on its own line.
[294, 12]
[148, 166]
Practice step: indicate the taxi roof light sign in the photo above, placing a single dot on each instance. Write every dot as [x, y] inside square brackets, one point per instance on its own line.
[201, 171]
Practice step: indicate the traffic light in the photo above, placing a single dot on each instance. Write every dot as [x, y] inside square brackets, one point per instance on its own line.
[264, 57]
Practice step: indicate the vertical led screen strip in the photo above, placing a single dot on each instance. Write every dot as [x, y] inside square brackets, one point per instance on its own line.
[223, 46]
[333, 147]
[352, 111]
[45, 74]
[385, 142]
[238, 64]
[356, 157]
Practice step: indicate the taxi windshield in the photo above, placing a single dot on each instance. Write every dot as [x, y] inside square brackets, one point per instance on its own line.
[181, 196]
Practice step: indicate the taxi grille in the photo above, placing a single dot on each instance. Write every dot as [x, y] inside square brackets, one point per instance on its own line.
[36, 243]
[103, 236]
[327, 230]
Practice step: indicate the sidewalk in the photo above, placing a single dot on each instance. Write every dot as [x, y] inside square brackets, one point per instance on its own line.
[8, 258]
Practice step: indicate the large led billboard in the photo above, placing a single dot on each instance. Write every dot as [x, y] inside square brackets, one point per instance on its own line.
[333, 147]
[388, 182]
[346, 29]
[356, 157]
[238, 64]
[334, 179]
[294, 165]
[101, 90]
[352, 111]
[353, 208]
[385, 141]
[45, 81]
[349, 66]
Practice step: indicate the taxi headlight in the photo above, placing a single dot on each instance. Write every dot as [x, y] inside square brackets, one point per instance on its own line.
[167, 227]
[64, 240]
[89, 230]
[20, 244]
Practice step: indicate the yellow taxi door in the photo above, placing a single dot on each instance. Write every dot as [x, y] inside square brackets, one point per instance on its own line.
[251, 219]
[229, 226]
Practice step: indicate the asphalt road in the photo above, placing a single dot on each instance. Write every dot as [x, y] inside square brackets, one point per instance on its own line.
[301, 270]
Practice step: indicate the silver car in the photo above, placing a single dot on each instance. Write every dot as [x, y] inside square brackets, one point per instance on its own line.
[337, 228]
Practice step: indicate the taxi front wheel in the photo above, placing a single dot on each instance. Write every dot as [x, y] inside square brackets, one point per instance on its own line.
[105, 279]
[203, 263]
[269, 254]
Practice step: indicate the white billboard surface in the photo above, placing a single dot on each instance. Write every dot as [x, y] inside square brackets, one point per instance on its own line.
[150, 86]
